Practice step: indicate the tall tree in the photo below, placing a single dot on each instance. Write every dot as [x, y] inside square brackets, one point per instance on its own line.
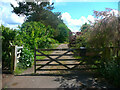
[41, 12]
[35, 11]
[28, 8]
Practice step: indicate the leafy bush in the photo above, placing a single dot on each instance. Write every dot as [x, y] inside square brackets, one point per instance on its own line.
[111, 71]
[26, 59]
[35, 34]
[61, 33]
[102, 34]
[8, 37]
[105, 32]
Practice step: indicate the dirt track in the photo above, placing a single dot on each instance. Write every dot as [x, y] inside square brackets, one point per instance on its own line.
[79, 80]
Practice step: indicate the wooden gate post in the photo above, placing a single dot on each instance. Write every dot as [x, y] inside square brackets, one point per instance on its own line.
[35, 60]
[12, 58]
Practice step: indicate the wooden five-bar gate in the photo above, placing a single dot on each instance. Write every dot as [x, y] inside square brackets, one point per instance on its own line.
[57, 60]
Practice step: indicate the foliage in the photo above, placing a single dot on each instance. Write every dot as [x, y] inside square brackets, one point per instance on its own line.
[42, 13]
[62, 32]
[8, 36]
[35, 34]
[104, 33]
[47, 18]
[28, 8]
[85, 27]
[26, 59]
[111, 71]
[39, 12]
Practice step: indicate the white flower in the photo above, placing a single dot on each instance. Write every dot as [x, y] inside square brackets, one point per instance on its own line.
[27, 64]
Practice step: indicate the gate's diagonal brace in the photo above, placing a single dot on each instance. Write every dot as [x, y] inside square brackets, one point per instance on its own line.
[54, 59]
[46, 56]
[63, 54]
[77, 65]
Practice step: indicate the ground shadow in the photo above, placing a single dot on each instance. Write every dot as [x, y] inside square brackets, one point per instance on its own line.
[76, 79]
[81, 79]
[44, 74]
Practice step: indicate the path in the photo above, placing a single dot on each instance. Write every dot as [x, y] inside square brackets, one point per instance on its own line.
[79, 80]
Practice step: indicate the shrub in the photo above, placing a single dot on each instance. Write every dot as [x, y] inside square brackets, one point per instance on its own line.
[111, 71]
[26, 59]
[61, 33]
[35, 34]
[104, 33]
[8, 37]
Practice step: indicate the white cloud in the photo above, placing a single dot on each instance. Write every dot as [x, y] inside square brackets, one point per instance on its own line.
[14, 2]
[91, 18]
[75, 24]
[8, 18]
[115, 12]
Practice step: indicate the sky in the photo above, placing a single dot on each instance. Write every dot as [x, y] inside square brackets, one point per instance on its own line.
[74, 13]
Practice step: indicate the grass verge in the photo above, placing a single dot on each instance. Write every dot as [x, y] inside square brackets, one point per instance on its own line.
[18, 71]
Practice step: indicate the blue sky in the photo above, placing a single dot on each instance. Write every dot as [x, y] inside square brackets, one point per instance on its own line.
[78, 9]
[74, 14]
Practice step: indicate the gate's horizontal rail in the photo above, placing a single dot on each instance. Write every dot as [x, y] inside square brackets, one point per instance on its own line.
[65, 49]
[65, 69]
[59, 59]
[54, 55]
[63, 64]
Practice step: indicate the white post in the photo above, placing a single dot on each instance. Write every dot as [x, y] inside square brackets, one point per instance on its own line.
[17, 53]
[14, 57]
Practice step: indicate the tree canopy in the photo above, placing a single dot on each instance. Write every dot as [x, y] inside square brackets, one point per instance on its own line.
[28, 8]
[85, 27]
[38, 12]
[41, 12]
